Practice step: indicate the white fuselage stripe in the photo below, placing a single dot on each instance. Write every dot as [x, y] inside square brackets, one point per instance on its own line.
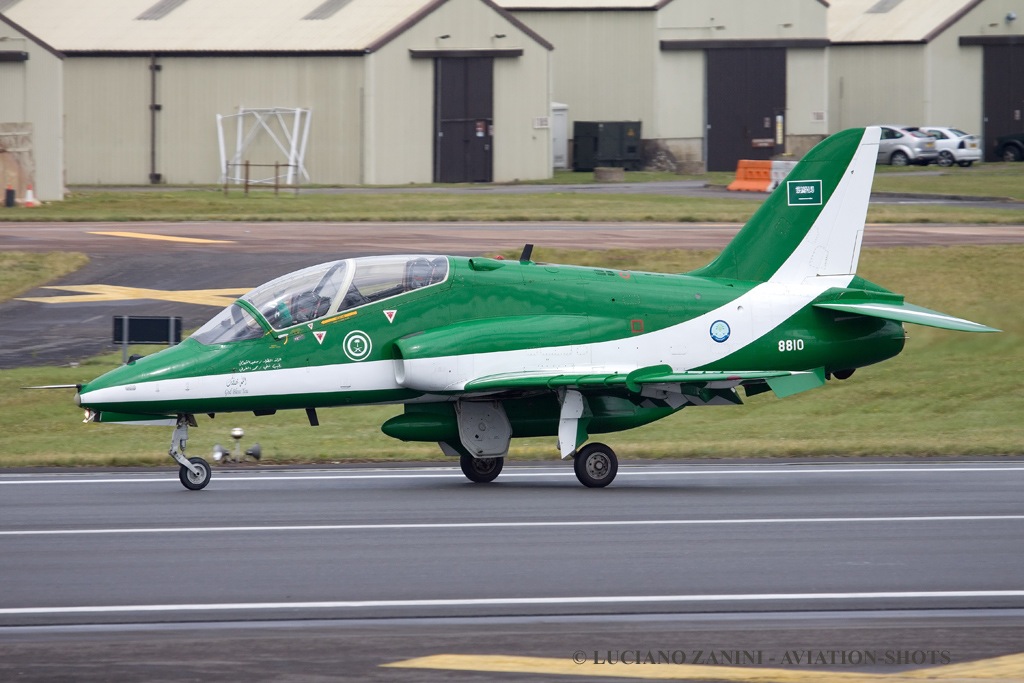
[683, 346]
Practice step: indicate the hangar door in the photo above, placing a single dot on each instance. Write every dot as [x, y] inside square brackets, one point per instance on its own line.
[746, 100]
[463, 119]
[1003, 98]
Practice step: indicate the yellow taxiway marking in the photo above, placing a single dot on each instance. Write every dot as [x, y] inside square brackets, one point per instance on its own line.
[166, 238]
[93, 293]
[1008, 669]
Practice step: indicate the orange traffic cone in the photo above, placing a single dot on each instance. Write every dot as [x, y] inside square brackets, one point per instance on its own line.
[30, 199]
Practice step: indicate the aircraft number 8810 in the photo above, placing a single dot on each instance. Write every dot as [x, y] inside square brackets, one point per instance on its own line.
[791, 345]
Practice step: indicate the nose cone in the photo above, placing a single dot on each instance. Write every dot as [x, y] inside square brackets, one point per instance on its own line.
[154, 384]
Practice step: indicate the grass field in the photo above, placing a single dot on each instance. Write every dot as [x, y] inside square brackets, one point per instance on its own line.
[20, 271]
[207, 203]
[948, 393]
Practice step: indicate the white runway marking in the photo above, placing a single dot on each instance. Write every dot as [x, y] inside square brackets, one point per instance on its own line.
[500, 602]
[511, 473]
[507, 525]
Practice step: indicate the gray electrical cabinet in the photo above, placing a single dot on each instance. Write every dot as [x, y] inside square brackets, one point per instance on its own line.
[606, 143]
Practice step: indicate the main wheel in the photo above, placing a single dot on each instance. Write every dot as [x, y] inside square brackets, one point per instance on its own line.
[1011, 153]
[481, 470]
[596, 465]
[946, 158]
[195, 482]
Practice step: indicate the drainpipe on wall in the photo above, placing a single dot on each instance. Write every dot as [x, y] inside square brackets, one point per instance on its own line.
[154, 107]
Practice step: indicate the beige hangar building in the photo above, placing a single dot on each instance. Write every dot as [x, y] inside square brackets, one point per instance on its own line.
[714, 81]
[393, 91]
[711, 80]
[415, 91]
[953, 63]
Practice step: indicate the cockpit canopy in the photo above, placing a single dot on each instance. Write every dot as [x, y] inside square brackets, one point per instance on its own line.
[320, 291]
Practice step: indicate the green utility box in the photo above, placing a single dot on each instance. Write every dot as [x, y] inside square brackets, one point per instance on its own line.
[606, 143]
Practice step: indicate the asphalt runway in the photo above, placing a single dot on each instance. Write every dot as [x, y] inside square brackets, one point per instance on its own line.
[328, 574]
[817, 570]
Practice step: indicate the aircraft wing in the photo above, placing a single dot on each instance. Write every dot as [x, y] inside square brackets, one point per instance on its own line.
[903, 312]
[657, 378]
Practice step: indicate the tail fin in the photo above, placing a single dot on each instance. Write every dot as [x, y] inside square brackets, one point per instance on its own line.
[812, 224]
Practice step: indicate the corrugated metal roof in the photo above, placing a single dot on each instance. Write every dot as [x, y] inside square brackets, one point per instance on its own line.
[892, 21]
[215, 26]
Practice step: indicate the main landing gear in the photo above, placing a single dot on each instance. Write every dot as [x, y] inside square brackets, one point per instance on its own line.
[481, 470]
[194, 473]
[595, 465]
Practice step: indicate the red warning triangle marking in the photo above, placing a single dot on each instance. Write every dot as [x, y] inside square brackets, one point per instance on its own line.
[320, 334]
[390, 315]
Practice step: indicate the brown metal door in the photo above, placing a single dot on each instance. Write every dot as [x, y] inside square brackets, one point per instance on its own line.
[746, 103]
[464, 121]
[1003, 98]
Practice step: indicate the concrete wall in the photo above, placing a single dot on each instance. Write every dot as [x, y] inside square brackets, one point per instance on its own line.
[372, 116]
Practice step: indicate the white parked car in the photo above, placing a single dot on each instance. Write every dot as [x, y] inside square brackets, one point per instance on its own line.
[954, 145]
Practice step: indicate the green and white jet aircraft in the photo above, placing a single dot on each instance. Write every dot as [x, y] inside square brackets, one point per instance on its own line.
[481, 350]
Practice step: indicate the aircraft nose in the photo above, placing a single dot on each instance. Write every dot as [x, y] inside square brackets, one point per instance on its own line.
[78, 399]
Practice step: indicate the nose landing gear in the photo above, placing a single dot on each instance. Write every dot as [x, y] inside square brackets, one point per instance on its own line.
[194, 473]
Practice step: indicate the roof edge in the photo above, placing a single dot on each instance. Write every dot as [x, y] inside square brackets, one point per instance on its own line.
[991, 40]
[498, 53]
[669, 45]
[429, 9]
[862, 43]
[31, 36]
[215, 53]
[955, 17]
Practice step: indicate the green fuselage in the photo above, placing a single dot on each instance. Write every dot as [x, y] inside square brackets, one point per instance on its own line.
[492, 317]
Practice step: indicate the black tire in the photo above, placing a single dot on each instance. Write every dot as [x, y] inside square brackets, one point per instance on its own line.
[946, 158]
[1011, 153]
[596, 465]
[191, 481]
[899, 158]
[481, 470]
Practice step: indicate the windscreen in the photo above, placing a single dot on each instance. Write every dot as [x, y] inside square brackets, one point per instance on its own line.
[326, 289]
[232, 324]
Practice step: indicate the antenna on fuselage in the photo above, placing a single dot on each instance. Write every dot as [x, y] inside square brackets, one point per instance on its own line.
[527, 253]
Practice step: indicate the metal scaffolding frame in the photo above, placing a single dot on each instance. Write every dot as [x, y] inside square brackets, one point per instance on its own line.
[291, 138]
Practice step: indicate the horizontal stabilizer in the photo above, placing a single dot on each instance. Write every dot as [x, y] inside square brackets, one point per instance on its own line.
[907, 313]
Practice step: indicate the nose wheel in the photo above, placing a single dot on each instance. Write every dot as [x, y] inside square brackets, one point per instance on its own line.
[196, 479]
[595, 465]
[194, 473]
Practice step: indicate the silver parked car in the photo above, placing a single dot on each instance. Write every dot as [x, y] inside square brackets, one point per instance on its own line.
[901, 145]
[954, 145]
